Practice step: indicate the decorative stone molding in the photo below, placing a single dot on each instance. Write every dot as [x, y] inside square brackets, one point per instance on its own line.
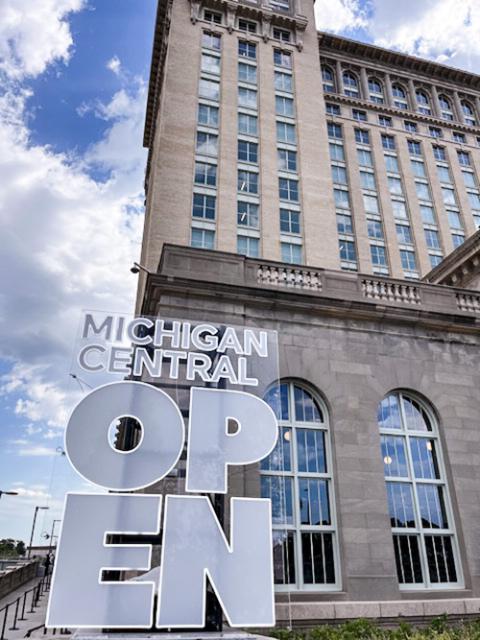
[391, 291]
[195, 8]
[300, 27]
[290, 277]
[231, 16]
[266, 26]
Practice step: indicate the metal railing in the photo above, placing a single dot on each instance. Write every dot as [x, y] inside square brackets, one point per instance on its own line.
[19, 609]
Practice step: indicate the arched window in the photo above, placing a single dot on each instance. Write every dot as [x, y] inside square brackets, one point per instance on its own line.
[350, 84]
[424, 539]
[468, 113]
[446, 107]
[328, 79]
[399, 96]
[423, 102]
[375, 90]
[297, 477]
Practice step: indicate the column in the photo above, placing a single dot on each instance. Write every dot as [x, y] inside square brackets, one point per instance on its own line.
[458, 107]
[364, 83]
[413, 95]
[437, 110]
[339, 74]
[388, 90]
[477, 107]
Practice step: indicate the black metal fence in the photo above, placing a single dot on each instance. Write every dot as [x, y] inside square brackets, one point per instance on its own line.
[26, 603]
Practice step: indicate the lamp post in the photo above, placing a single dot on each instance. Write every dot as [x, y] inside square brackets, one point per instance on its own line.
[8, 493]
[52, 534]
[33, 529]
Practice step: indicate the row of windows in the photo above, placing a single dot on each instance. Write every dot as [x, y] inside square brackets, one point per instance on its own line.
[387, 121]
[250, 26]
[204, 202]
[298, 478]
[422, 102]
[397, 191]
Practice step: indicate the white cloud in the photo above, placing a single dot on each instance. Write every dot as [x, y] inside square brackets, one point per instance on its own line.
[36, 451]
[447, 31]
[339, 15]
[444, 30]
[34, 34]
[114, 65]
[68, 236]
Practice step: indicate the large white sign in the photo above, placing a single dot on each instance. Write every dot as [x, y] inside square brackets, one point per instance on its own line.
[194, 545]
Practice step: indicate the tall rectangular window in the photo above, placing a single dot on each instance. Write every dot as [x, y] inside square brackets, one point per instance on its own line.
[284, 106]
[207, 144]
[287, 160]
[282, 58]
[211, 41]
[288, 189]
[247, 214]
[210, 63]
[248, 246]
[247, 124]
[203, 239]
[203, 206]
[247, 98]
[247, 50]
[208, 115]
[247, 151]
[379, 256]
[362, 136]
[286, 132]
[209, 89]
[247, 73]
[289, 221]
[247, 181]
[408, 260]
[206, 174]
[283, 82]
[291, 253]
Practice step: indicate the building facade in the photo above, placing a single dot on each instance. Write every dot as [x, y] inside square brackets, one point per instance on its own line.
[328, 190]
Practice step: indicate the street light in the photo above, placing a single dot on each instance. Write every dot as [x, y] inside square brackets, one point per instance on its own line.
[33, 529]
[52, 535]
[139, 267]
[8, 493]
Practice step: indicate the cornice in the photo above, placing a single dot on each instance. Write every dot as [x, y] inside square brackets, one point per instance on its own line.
[368, 52]
[459, 266]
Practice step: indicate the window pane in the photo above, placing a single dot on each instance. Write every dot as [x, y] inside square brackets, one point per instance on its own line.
[440, 559]
[318, 562]
[394, 457]
[314, 502]
[311, 451]
[281, 457]
[389, 413]
[424, 458]
[432, 507]
[400, 504]
[280, 491]
[277, 399]
[407, 558]
[284, 557]
[415, 416]
[306, 409]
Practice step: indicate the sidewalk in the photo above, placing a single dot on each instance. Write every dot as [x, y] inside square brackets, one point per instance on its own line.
[32, 616]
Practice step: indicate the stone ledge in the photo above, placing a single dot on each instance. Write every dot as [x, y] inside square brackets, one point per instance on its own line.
[339, 611]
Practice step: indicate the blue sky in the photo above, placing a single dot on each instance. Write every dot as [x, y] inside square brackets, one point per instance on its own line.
[73, 77]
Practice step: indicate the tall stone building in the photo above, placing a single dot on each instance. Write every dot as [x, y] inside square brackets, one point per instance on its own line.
[329, 190]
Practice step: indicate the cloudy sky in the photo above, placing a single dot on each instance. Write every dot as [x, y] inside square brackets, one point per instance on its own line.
[73, 77]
